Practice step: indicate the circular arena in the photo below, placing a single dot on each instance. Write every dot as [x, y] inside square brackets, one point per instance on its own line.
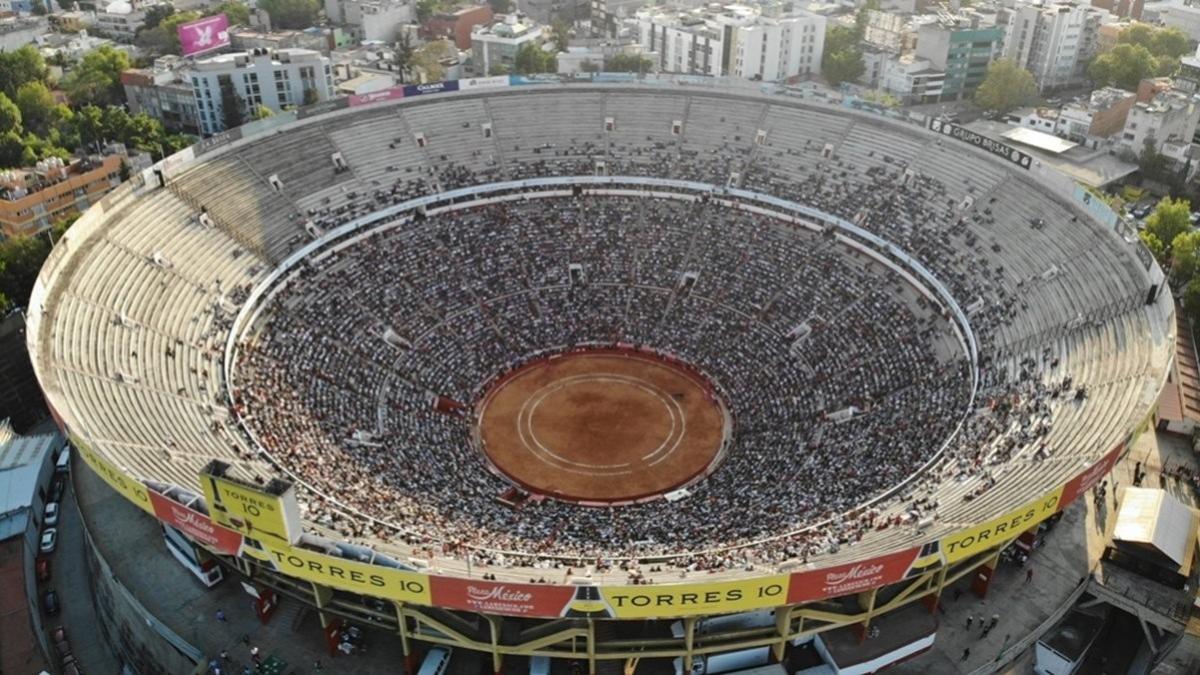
[607, 336]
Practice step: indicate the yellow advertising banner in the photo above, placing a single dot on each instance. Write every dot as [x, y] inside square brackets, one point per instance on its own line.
[251, 512]
[966, 543]
[671, 600]
[346, 575]
[133, 490]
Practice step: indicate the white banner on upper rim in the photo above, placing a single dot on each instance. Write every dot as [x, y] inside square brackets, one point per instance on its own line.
[483, 82]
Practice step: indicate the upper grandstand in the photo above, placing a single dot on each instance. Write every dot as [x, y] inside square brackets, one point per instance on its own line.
[992, 336]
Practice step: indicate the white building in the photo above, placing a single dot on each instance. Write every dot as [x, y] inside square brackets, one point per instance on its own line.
[765, 42]
[275, 79]
[121, 19]
[1175, 14]
[494, 47]
[371, 20]
[1167, 123]
[1054, 40]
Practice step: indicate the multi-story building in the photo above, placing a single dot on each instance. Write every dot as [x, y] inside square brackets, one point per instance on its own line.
[494, 46]
[1188, 77]
[1130, 9]
[245, 38]
[371, 20]
[1181, 14]
[546, 11]
[768, 42]
[1100, 117]
[1166, 123]
[913, 80]
[121, 19]
[33, 199]
[161, 93]
[273, 78]
[608, 16]
[457, 25]
[962, 47]
[1054, 40]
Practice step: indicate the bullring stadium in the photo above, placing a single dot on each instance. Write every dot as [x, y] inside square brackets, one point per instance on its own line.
[536, 369]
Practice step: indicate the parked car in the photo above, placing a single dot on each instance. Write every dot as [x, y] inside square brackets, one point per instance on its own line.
[62, 647]
[49, 540]
[42, 568]
[56, 490]
[50, 602]
[51, 514]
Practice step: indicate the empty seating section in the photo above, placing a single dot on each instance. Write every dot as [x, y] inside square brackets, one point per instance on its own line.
[255, 214]
[135, 342]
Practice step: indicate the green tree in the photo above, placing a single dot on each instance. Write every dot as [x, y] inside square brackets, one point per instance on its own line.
[20, 66]
[864, 15]
[291, 13]
[10, 115]
[232, 106]
[1185, 256]
[1123, 66]
[164, 38]
[1170, 42]
[13, 151]
[237, 12]
[1171, 218]
[843, 58]
[1191, 299]
[311, 96]
[402, 54]
[560, 35]
[1154, 244]
[628, 63]
[97, 78]
[155, 15]
[531, 58]
[428, 59]
[1006, 86]
[262, 112]
[39, 110]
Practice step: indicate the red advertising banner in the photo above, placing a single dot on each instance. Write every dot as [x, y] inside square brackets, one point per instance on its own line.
[388, 94]
[492, 597]
[1090, 477]
[196, 525]
[851, 577]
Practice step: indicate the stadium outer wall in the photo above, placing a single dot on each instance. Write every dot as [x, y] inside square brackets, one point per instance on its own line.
[890, 581]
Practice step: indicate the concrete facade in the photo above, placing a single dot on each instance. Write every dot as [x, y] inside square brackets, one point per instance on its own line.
[1054, 40]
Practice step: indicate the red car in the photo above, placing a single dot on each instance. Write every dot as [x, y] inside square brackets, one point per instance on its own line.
[42, 567]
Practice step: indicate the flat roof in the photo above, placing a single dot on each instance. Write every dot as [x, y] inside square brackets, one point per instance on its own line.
[1153, 518]
[1039, 140]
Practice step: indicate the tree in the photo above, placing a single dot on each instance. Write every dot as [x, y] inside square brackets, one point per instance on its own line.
[1171, 218]
[12, 151]
[531, 58]
[10, 115]
[262, 112]
[402, 54]
[628, 63]
[1158, 41]
[237, 12]
[1185, 257]
[39, 110]
[164, 38]
[560, 35]
[155, 15]
[232, 106]
[501, 6]
[843, 58]
[1191, 299]
[20, 66]
[1123, 66]
[1006, 86]
[97, 78]
[860, 19]
[311, 96]
[291, 13]
[428, 59]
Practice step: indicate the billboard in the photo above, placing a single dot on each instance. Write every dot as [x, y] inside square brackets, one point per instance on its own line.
[968, 542]
[484, 82]
[430, 88]
[196, 525]
[133, 490]
[850, 578]
[1090, 476]
[980, 141]
[389, 94]
[716, 597]
[250, 510]
[203, 35]
[344, 574]
[495, 597]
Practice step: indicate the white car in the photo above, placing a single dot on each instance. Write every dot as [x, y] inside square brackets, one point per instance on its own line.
[51, 515]
[49, 540]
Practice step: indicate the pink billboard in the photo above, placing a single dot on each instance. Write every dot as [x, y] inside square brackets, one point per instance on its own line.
[204, 35]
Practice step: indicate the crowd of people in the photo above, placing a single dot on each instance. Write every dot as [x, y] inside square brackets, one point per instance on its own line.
[843, 380]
